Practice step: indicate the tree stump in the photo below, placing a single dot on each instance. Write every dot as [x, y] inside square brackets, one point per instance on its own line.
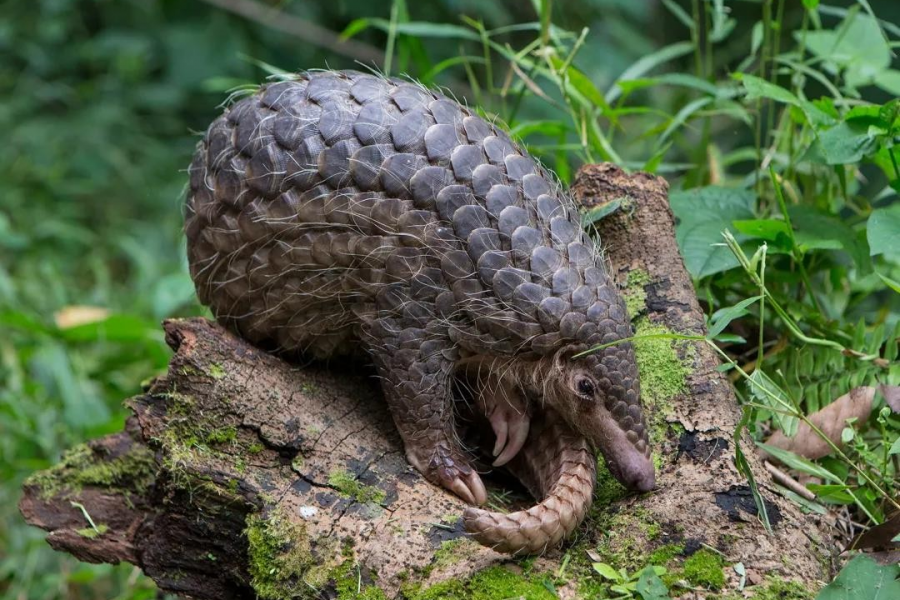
[240, 475]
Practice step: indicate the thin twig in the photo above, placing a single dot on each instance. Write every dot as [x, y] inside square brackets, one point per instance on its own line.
[788, 481]
[303, 29]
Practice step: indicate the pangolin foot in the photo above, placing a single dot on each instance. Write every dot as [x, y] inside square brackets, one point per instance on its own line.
[452, 471]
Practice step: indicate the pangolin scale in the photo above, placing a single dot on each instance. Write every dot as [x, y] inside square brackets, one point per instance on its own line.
[335, 212]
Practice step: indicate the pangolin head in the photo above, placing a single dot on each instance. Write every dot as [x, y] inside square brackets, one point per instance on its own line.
[593, 383]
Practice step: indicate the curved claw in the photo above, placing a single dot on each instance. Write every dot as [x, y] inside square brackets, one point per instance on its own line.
[501, 428]
[511, 427]
[452, 472]
[469, 487]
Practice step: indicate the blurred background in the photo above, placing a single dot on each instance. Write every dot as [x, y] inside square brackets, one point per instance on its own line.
[103, 101]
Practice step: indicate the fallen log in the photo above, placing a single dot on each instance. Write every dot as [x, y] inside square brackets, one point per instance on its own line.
[241, 475]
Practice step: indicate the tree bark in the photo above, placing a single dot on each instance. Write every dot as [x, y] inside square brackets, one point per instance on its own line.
[240, 474]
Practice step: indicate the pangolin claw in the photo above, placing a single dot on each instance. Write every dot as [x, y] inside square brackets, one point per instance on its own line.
[511, 428]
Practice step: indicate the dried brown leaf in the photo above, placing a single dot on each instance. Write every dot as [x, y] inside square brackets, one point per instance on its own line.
[831, 420]
[879, 537]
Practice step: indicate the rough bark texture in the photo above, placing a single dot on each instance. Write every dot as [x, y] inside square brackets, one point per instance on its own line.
[240, 474]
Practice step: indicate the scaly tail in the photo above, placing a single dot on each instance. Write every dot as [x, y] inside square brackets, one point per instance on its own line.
[557, 465]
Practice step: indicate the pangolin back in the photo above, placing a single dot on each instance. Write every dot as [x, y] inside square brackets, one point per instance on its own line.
[312, 195]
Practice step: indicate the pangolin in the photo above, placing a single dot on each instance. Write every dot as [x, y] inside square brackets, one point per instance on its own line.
[336, 212]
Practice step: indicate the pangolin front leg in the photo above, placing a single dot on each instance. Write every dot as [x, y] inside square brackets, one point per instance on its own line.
[414, 358]
[558, 467]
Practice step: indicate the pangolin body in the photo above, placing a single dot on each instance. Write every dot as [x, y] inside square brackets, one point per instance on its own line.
[339, 211]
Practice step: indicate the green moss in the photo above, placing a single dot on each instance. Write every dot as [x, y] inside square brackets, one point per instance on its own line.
[279, 556]
[255, 448]
[705, 569]
[779, 589]
[81, 466]
[623, 540]
[775, 588]
[450, 553]
[180, 404]
[664, 554]
[490, 584]
[663, 373]
[350, 487]
[607, 489]
[92, 533]
[222, 435]
[634, 294]
[348, 584]
[216, 371]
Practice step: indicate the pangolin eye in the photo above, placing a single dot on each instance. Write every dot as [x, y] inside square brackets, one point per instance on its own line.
[585, 387]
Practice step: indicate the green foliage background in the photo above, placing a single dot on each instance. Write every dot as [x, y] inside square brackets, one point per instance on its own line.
[101, 102]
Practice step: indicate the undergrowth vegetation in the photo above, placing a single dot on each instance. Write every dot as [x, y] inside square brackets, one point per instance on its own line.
[773, 121]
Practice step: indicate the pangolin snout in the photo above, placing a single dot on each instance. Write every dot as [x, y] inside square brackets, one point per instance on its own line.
[635, 471]
[627, 462]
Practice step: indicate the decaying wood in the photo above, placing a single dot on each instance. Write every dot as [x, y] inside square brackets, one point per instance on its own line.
[232, 432]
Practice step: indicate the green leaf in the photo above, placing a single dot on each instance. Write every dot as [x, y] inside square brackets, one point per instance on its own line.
[582, 84]
[857, 47]
[760, 88]
[815, 230]
[891, 283]
[650, 586]
[895, 447]
[883, 231]
[767, 392]
[889, 81]
[702, 215]
[680, 80]
[683, 115]
[811, 4]
[413, 28]
[799, 463]
[722, 317]
[833, 493]
[864, 579]
[607, 572]
[648, 63]
[602, 211]
[773, 230]
[847, 142]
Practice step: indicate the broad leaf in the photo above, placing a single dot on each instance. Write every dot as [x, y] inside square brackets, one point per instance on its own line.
[857, 47]
[703, 214]
[772, 230]
[884, 231]
[847, 142]
[815, 230]
[650, 586]
[864, 579]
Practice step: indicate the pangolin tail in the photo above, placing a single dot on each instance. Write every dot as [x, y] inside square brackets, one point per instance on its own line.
[557, 466]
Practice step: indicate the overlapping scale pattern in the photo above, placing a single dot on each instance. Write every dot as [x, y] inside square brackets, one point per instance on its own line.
[337, 208]
[559, 468]
[332, 173]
